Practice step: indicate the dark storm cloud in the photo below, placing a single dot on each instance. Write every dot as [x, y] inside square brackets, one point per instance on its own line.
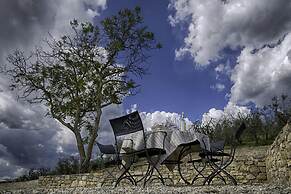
[28, 139]
[29, 148]
[21, 21]
[269, 27]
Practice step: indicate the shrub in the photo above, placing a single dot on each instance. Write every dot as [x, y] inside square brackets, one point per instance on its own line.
[33, 174]
[69, 165]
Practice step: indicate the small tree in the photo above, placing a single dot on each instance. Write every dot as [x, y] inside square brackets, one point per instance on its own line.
[84, 72]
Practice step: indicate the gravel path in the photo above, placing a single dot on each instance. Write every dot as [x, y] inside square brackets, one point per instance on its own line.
[246, 189]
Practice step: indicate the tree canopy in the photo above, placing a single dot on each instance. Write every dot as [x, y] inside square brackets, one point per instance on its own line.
[84, 71]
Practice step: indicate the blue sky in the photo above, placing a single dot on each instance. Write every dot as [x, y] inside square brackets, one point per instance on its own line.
[171, 85]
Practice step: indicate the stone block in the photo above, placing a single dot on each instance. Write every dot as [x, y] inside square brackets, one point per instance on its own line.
[239, 178]
[250, 177]
[245, 181]
[254, 170]
[249, 162]
[262, 169]
[263, 163]
[75, 183]
[82, 183]
[243, 168]
[262, 176]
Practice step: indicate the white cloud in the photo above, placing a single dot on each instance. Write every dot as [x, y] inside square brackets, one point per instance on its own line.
[223, 70]
[218, 87]
[230, 111]
[255, 27]
[160, 117]
[132, 109]
[219, 68]
[82, 10]
[214, 25]
[259, 77]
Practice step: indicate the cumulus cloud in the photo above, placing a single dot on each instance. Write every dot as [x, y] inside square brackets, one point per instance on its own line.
[214, 25]
[161, 117]
[262, 75]
[27, 138]
[260, 30]
[230, 111]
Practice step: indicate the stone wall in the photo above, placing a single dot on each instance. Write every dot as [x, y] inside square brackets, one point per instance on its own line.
[248, 168]
[278, 160]
[77, 180]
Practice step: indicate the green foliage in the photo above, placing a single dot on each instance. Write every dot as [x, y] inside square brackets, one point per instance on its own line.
[263, 124]
[101, 163]
[33, 174]
[69, 165]
[97, 164]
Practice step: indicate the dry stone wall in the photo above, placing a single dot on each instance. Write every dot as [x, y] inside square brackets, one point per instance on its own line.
[278, 160]
[77, 180]
[248, 167]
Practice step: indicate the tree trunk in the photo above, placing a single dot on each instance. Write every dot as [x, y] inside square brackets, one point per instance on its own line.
[85, 165]
[266, 134]
[81, 149]
[256, 138]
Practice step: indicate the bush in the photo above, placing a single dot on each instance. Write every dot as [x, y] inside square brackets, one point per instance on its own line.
[33, 174]
[263, 124]
[64, 166]
[97, 164]
[69, 165]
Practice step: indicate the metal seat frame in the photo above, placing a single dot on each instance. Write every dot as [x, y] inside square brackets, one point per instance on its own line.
[129, 124]
[225, 158]
[186, 149]
[108, 150]
[216, 158]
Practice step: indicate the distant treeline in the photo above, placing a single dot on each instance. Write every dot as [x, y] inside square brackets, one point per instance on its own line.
[64, 166]
[263, 124]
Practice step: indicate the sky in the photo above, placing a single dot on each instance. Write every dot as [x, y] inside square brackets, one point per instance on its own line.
[171, 85]
[217, 58]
